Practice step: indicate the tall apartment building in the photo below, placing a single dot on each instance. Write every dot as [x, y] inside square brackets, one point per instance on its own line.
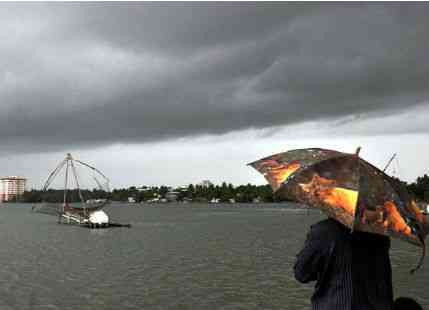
[11, 188]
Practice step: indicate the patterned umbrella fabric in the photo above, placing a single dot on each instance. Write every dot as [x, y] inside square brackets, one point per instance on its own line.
[346, 188]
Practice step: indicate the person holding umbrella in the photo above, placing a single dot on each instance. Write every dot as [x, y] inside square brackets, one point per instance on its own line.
[351, 270]
[348, 254]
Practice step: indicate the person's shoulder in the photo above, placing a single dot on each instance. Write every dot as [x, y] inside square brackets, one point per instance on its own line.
[328, 228]
[367, 239]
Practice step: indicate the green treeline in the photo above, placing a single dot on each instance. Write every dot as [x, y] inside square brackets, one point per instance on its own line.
[420, 188]
[198, 193]
[223, 193]
[53, 195]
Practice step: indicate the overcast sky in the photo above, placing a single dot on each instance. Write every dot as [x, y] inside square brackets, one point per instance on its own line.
[173, 93]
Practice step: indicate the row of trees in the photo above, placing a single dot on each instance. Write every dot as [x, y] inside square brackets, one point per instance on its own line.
[53, 195]
[420, 188]
[224, 193]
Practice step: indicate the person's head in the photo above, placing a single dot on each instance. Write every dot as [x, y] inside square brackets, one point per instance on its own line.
[405, 303]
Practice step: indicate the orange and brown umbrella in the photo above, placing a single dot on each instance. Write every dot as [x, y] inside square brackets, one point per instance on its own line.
[347, 188]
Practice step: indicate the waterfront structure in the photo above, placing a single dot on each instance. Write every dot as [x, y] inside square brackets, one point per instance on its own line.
[12, 188]
[172, 196]
[144, 188]
[206, 183]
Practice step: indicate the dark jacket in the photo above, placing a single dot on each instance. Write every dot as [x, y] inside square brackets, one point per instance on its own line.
[352, 270]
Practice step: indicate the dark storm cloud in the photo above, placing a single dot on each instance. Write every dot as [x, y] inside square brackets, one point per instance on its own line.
[100, 73]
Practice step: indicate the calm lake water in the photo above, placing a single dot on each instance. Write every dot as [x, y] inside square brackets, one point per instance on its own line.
[173, 257]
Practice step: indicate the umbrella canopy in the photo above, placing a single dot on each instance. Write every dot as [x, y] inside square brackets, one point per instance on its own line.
[346, 188]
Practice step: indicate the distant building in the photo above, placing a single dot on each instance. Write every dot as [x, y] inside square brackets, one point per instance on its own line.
[256, 200]
[182, 189]
[172, 196]
[144, 189]
[206, 183]
[12, 188]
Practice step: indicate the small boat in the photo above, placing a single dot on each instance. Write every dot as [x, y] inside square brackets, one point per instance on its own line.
[83, 212]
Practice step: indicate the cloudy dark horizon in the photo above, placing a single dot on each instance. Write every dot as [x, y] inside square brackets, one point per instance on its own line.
[174, 93]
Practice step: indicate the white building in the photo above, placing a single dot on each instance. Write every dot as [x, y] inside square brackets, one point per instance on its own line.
[172, 196]
[206, 183]
[12, 188]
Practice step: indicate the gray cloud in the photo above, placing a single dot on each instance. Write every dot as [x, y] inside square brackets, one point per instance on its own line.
[93, 74]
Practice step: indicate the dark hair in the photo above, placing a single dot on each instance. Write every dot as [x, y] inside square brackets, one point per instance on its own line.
[406, 303]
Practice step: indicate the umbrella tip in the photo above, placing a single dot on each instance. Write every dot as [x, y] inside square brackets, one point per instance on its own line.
[358, 150]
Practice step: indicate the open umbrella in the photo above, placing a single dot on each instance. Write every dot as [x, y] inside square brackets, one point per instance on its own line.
[347, 188]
